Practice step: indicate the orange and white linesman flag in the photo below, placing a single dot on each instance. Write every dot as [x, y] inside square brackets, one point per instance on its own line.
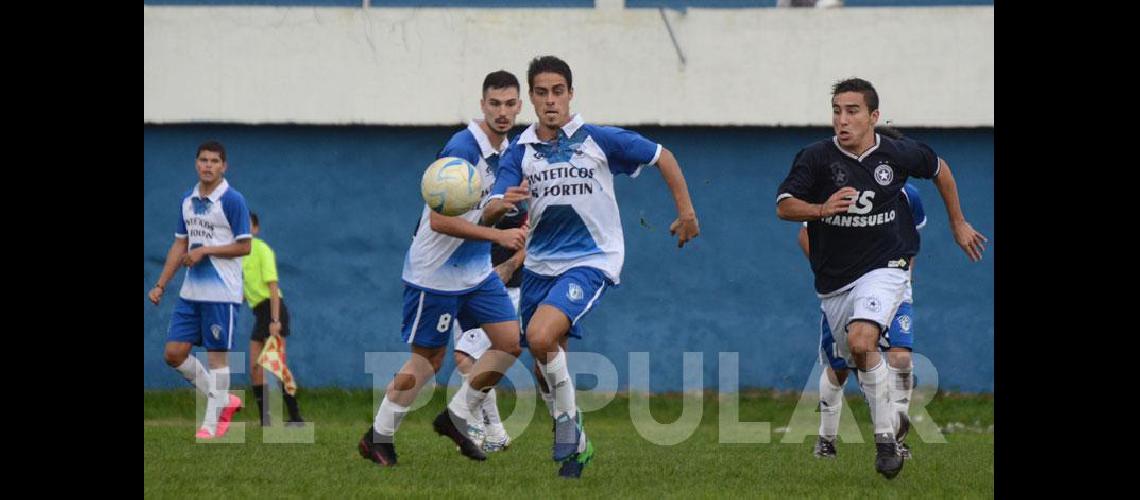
[272, 358]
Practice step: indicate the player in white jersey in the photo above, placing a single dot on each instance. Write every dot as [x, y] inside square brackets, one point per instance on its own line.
[575, 249]
[213, 233]
[448, 277]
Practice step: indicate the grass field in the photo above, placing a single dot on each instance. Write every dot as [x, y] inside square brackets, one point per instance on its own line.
[626, 464]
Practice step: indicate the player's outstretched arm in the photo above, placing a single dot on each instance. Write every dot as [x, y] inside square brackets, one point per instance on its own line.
[173, 258]
[498, 207]
[971, 241]
[507, 268]
[685, 227]
[459, 227]
[795, 209]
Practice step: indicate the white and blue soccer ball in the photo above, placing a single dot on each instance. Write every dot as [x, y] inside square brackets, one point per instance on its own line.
[451, 186]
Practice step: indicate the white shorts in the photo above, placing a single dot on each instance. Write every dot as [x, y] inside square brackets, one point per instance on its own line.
[873, 297]
[475, 342]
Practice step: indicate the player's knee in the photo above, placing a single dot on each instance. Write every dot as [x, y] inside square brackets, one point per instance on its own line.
[403, 382]
[175, 357]
[899, 360]
[861, 344]
[540, 344]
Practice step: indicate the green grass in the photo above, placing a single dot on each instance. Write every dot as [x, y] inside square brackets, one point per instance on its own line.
[626, 464]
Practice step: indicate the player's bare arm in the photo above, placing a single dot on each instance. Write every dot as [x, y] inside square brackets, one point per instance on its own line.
[802, 239]
[685, 227]
[459, 227]
[795, 209]
[173, 258]
[971, 241]
[274, 309]
[507, 268]
[497, 207]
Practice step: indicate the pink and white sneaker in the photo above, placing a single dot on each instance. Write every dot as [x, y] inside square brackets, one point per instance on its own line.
[227, 415]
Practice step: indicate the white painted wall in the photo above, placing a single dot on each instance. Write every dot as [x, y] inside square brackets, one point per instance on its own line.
[766, 66]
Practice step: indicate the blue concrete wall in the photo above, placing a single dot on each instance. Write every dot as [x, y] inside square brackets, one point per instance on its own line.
[338, 204]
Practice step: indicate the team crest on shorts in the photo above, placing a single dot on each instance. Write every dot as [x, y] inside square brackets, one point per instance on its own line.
[904, 323]
[873, 304]
[217, 331]
[884, 174]
[574, 293]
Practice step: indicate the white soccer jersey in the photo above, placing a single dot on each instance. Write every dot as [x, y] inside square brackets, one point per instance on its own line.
[446, 264]
[219, 219]
[574, 218]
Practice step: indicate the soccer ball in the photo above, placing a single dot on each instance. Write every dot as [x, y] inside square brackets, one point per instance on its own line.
[451, 186]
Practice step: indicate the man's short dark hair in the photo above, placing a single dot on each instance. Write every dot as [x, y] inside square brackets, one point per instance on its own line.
[549, 64]
[889, 131]
[214, 146]
[253, 220]
[861, 86]
[500, 80]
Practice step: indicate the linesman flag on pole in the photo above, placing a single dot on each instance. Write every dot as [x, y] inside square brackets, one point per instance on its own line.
[273, 359]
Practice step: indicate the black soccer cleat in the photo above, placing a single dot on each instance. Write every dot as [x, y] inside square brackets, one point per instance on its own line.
[445, 425]
[824, 448]
[888, 462]
[382, 452]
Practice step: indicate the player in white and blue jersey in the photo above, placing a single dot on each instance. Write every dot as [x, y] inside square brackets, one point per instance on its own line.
[447, 278]
[213, 234]
[849, 190]
[575, 251]
[897, 341]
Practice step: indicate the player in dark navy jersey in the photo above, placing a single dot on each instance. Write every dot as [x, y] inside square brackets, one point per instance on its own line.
[897, 341]
[848, 189]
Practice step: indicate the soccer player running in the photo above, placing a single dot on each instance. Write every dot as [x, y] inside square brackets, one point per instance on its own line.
[447, 276]
[897, 341]
[576, 249]
[848, 190]
[213, 233]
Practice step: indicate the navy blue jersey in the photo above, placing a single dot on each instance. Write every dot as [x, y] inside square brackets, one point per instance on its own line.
[870, 235]
[511, 220]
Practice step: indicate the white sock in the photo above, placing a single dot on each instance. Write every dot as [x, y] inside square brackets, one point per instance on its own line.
[558, 380]
[491, 415]
[193, 372]
[901, 386]
[547, 398]
[458, 403]
[831, 405]
[388, 418]
[219, 397]
[876, 389]
[475, 399]
[221, 378]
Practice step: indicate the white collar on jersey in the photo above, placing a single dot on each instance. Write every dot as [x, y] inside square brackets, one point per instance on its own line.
[835, 140]
[529, 136]
[216, 194]
[484, 141]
